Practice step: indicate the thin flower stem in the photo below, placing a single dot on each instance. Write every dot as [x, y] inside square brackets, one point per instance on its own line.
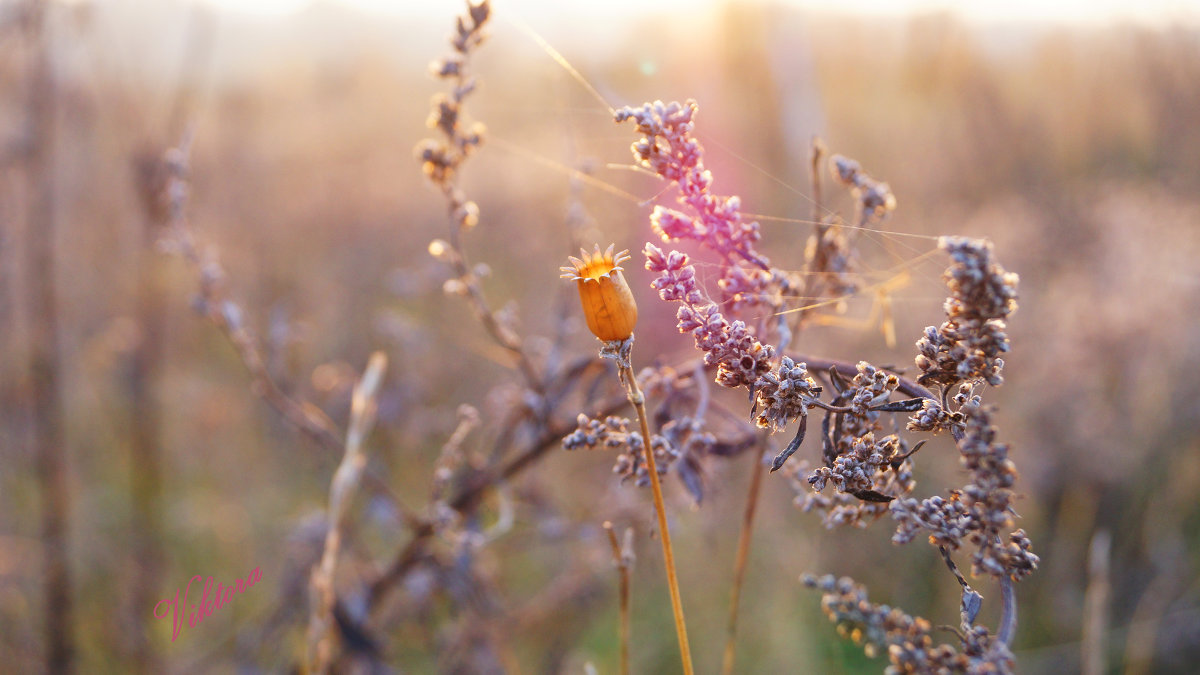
[639, 404]
[1008, 612]
[623, 573]
[816, 154]
[499, 333]
[971, 599]
[739, 565]
[322, 649]
[45, 381]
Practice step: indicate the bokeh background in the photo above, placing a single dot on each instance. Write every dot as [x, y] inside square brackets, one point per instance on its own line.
[1074, 145]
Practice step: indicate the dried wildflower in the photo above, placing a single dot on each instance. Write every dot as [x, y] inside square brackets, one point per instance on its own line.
[608, 303]
[867, 466]
[875, 198]
[441, 158]
[968, 345]
[946, 519]
[591, 433]
[866, 473]
[668, 149]
[784, 394]
[908, 639]
[847, 605]
[855, 472]
[744, 287]
[730, 345]
[980, 512]
[1016, 557]
[854, 509]
[932, 417]
[613, 434]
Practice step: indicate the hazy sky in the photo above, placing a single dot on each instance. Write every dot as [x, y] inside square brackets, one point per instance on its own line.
[1072, 11]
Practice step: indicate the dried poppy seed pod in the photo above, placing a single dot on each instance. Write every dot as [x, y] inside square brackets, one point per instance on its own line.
[607, 301]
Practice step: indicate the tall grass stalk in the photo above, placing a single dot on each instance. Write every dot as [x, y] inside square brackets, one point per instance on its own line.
[743, 555]
[639, 403]
[622, 560]
[44, 357]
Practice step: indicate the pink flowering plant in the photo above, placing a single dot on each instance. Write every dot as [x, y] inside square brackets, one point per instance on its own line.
[864, 472]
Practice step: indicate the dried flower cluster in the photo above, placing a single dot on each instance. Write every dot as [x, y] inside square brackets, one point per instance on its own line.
[784, 394]
[907, 639]
[868, 464]
[668, 148]
[730, 345]
[613, 433]
[867, 473]
[980, 512]
[440, 159]
[679, 440]
[875, 199]
[968, 345]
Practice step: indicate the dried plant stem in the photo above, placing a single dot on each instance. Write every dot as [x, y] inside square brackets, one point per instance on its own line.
[341, 492]
[639, 403]
[816, 155]
[466, 499]
[502, 335]
[1096, 599]
[145, 448]
[623, 611]
[226, 316]
[1008, 611]
[44, 358]
[971, 599]
[442, 164]
[821, 365]
[739, 565]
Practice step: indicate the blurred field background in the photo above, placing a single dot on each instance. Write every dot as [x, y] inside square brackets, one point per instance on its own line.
[1075, 148]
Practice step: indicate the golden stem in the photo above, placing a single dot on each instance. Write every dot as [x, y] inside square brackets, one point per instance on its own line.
[739, 565]
[623, 621]
[639, 404]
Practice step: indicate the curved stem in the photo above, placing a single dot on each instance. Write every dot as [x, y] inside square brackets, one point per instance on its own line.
[639, 404]
[1008, 612]
[623, 573]
[739, 565]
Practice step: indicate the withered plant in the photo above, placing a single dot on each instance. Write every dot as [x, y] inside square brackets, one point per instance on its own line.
[870, 470]
[857, 465]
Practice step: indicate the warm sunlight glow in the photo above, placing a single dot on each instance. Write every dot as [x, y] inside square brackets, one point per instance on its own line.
[983, 11]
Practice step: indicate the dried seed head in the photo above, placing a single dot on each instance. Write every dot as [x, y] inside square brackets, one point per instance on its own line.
[608, 303]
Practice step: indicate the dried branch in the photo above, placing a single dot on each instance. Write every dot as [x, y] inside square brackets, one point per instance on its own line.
[623, 561]
[226, 315]
[48, 415]
[341, 492]
[739, 565]
[1096, 598]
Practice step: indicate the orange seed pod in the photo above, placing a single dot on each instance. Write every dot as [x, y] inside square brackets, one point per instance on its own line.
[607, 301]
